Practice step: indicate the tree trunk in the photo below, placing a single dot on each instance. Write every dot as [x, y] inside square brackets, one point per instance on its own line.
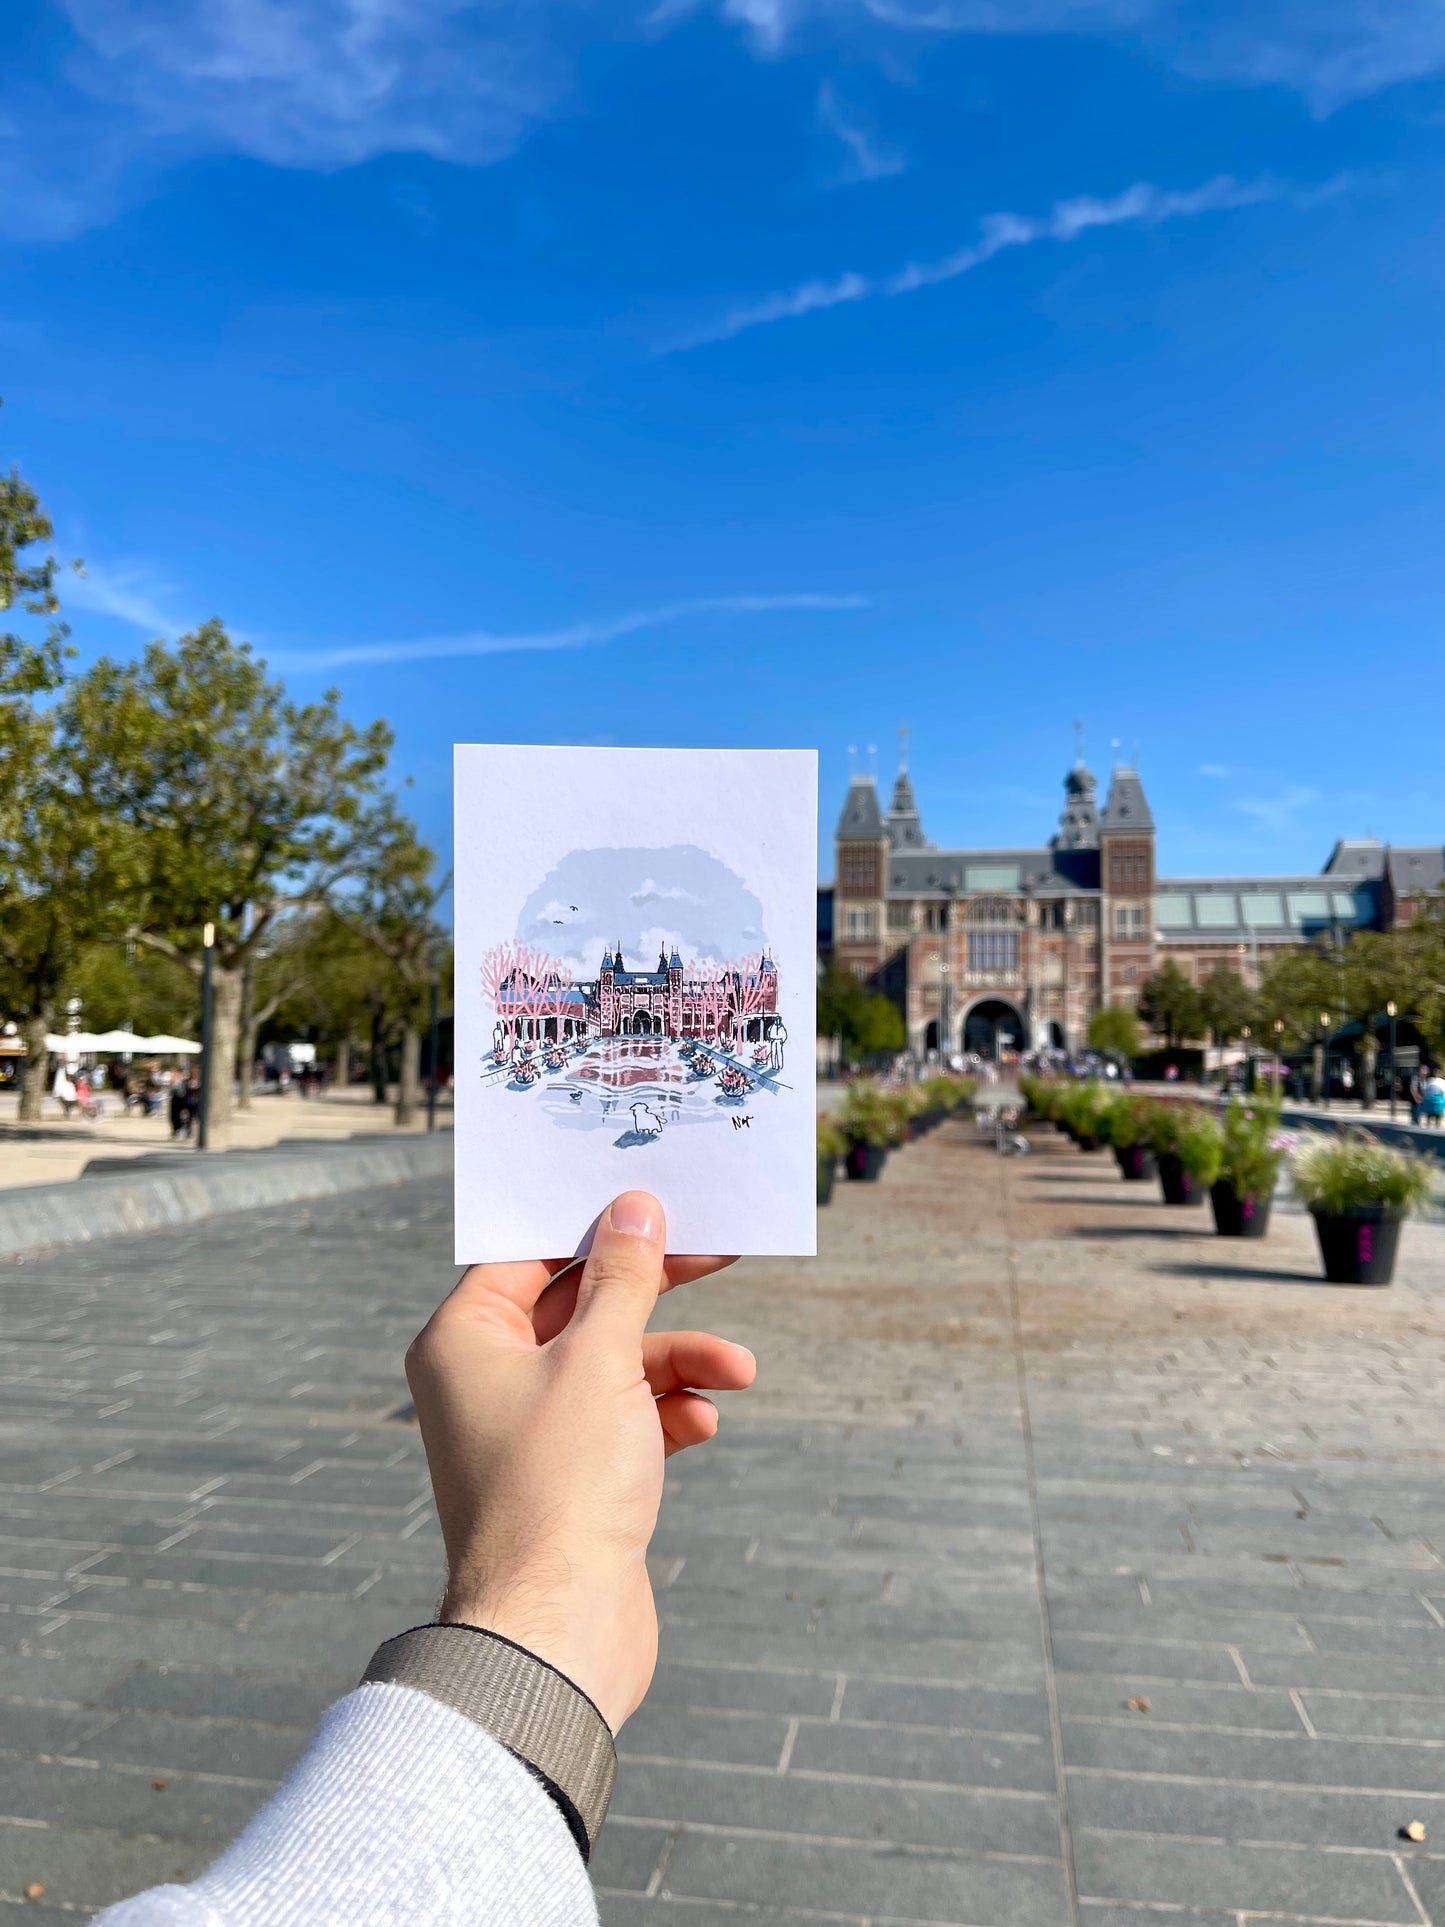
[1369, 1051]
[343, 1064]
[408, 1090]
[246, 1057]
[220, 1082]
[1317, 1053]
[377, 1064]
[37, 1062]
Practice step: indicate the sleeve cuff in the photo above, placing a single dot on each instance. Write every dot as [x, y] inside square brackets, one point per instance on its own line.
[530, 1708]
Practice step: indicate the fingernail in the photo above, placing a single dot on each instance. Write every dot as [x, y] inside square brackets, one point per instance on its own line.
[637, 1213]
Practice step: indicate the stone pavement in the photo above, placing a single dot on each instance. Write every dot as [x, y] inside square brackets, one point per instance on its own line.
[59, 1148]
[1067, 1562]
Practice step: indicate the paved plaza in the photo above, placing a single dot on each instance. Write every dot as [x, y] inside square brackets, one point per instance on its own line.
[1066, 1563]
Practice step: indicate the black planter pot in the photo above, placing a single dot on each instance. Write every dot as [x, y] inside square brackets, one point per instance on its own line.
[1236, 1216]
[1135, 1161]
[1179, 1186]
[827, 1167]
[1086, 1141]
[866, 1161]
[1359, 1246]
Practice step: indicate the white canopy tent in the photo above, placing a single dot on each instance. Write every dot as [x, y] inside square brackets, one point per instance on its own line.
[85, 1043]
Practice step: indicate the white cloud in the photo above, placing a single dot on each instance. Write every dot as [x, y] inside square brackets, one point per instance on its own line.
[129, 593]
[329, 83]
[1142, 204]
[1277, 814]
[579, 635]
[868, 159]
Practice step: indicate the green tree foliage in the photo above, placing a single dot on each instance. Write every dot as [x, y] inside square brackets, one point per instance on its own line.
[29, 574]
[842, 1000]
[881, 1027]
[1171, 1005]
[236, 804]
[390, 903]
[121, 984]
[1227, 1004]
[1116, 1028]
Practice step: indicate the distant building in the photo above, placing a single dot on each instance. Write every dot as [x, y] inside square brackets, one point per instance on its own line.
[1023, 945]
[736, 1003]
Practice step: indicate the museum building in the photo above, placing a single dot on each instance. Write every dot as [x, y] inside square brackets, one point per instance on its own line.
[1020, 947]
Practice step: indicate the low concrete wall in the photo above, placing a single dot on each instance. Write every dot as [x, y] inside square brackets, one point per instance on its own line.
[118, 1196]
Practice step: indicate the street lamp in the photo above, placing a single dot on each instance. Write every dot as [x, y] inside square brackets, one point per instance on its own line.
[1248, 1060]
[1324, 1089]
[1278, 1064]
[203, 1122]
[1390, 1013]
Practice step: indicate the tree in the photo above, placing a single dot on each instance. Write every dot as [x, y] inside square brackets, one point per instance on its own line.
[1171, 1005]
[842, 1000]
[1296, 988]
[881, 1027]
[237, 804]
[1373, 972]
[1116, 1028]
[1227, 1003]
[53, 885]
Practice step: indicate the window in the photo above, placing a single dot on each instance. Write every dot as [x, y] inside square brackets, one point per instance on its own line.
[1216, 913]
[991, 876]
[1051, 916]
[1128, 920]
[937, 916]
[1345, 904]
[900, 916]
[1308, 906]
[993, 951]
[1172, 913]
[1086, 915]
[858, 869]
[1262, 910]
[992, 910]
[858, 925]
[1128, 867]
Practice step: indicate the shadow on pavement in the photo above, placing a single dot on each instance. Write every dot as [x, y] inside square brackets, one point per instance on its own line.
[1265, 1272]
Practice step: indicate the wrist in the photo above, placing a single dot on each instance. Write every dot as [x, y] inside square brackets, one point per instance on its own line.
[543, 1718]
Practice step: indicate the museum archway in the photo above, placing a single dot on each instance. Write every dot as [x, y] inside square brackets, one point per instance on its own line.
[644, 1024]
[994, 1024]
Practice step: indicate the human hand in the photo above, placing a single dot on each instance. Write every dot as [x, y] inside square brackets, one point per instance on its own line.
[546, 1411]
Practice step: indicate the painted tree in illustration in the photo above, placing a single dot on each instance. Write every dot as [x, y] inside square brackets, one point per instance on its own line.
[747, 993]
[708, 986]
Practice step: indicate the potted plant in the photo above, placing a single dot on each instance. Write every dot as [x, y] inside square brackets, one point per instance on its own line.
[870, 1126]
[1130, 1125]
[831, 1146]
[1187, 1147]
[1359, 1191]
[1249, 1163]
[1083, 1110]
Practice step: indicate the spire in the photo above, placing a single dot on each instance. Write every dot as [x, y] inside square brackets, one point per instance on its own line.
[1127, 807]
[1079, 823]
[905, 826]
[861, 817]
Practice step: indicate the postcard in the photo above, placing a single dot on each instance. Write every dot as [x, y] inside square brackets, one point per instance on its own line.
[635, 988]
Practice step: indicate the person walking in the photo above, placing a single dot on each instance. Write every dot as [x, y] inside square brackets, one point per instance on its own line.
[1417, 1091]
[466, 1779]
[63, 1089]
[1432, 1100]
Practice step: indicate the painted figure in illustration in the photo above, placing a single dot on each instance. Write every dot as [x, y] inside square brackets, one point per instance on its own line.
[598, 1035]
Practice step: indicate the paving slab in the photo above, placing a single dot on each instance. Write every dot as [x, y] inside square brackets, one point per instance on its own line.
[1067, 1564]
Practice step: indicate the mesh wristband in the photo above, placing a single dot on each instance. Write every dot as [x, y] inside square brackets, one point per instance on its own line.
[534, 1711]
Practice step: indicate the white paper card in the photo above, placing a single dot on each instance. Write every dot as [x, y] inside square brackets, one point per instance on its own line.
[635, 987]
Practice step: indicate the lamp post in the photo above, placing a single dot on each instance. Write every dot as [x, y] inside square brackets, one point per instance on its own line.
[944, 1018]
[435, 1050]
[1248, 1062]
[1390, 1013]
[203, 1122]
[1278, 1063]
[1323, 1093]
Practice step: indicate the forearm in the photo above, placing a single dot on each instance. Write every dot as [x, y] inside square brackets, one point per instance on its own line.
[404, 1809]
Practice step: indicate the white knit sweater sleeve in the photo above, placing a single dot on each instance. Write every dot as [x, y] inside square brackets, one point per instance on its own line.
[400, 1813]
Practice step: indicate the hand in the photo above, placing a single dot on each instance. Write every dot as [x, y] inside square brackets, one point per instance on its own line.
[546, 1411]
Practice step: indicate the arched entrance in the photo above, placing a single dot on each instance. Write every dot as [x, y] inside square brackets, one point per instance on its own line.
[644, 1024]
[930, 1035]
[993, 1025]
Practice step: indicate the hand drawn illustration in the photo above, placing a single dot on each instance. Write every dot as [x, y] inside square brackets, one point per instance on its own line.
[601, 1038]
[636, 977]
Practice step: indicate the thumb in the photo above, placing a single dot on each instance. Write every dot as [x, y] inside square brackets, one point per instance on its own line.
[623, 1273]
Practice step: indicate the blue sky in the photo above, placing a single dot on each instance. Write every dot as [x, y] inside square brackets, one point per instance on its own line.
[767, 372]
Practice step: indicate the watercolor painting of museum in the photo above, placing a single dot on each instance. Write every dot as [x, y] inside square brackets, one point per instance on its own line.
[604, 1035]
